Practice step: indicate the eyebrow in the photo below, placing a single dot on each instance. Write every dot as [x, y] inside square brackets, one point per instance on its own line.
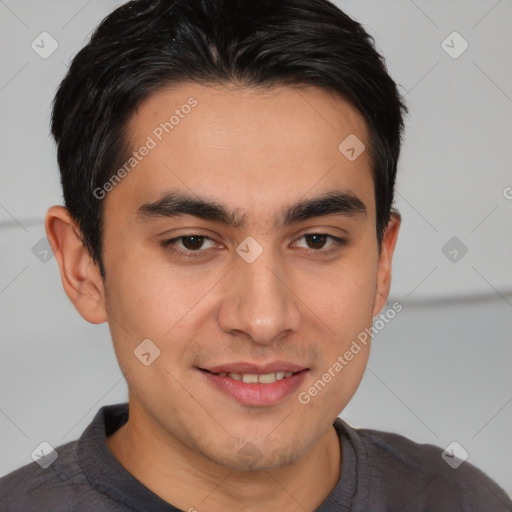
[174, 204]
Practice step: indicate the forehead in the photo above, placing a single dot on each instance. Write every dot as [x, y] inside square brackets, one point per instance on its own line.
[252, 149]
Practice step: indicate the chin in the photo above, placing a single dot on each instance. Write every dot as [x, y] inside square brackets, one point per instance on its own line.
[244, 455]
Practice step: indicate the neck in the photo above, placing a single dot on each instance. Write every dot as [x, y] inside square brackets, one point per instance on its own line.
[189, 481]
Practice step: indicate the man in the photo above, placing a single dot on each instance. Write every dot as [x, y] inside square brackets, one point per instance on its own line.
[228, 171]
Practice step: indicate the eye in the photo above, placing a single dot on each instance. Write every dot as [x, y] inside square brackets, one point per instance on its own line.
[191, 245]
[316, 242]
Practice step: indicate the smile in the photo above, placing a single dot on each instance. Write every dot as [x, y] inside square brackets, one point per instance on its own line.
[256, 385]
[254, 378]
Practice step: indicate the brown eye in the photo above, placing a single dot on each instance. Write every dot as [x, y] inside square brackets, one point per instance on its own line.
[322, 243]
[316, 241]
[192, 242]
[188, 245]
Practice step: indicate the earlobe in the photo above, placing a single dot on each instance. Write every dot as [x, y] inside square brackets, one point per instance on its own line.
[81, 278]
[385, 261]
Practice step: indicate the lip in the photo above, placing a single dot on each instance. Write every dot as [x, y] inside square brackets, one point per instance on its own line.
[243, 367]
[255, 394]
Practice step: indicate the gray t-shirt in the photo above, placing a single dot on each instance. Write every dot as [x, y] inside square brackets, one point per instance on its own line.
[380, 471]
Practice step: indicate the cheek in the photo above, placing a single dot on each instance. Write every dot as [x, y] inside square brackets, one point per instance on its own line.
[144, 299]
[343, 301]
[343, 297]
[147, 298]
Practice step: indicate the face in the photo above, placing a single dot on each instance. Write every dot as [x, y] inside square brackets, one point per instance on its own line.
[242, 243]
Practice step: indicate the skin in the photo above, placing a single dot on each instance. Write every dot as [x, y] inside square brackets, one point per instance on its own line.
[255, 152]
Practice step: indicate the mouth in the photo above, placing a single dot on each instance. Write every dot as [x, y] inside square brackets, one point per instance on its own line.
[256, 385]
[255, 378]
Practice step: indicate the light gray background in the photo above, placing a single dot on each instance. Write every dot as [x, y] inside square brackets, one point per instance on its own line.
[439, 372]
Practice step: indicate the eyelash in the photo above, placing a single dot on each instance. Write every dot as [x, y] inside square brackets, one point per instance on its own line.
[171, 245]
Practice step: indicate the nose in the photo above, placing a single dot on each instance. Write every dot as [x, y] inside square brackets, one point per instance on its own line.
[259, 300]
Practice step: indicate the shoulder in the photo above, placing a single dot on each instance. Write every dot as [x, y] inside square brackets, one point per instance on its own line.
[439, 479]
[41, 487]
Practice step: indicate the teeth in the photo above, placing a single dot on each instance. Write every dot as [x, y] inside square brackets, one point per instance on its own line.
[267, 378]
[252, 378]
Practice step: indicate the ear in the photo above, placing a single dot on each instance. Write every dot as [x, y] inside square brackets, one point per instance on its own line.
[80, 276]
[385, 258]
